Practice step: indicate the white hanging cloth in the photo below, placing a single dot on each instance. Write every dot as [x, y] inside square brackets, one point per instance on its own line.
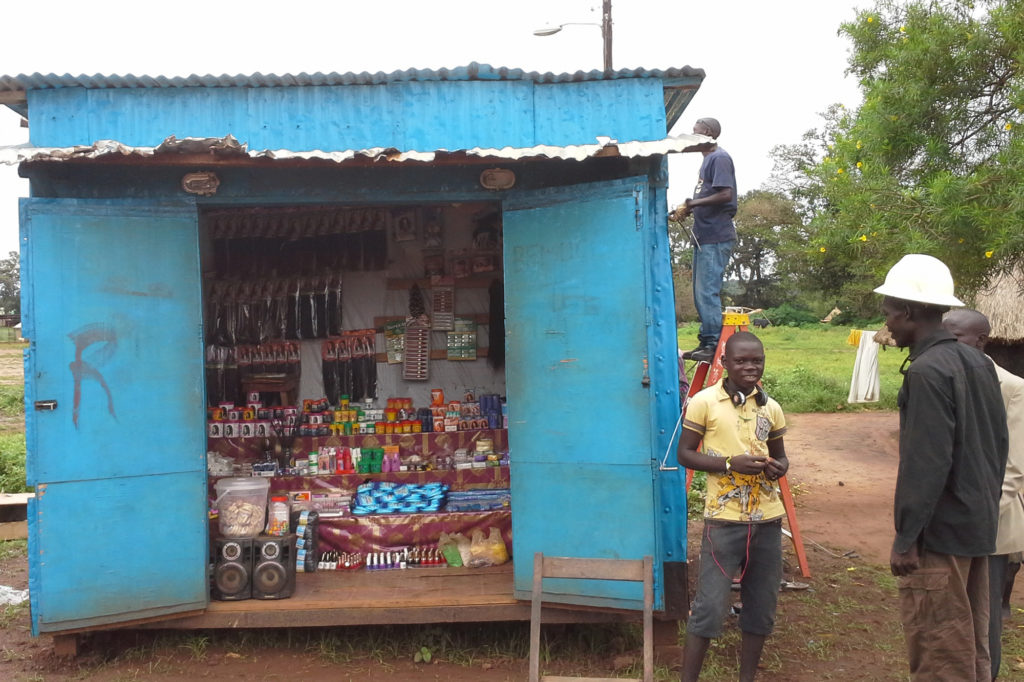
[864, 386]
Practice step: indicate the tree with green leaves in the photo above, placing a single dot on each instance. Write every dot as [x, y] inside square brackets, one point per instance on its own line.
[769, 235]
[933, 159]
[10, 284]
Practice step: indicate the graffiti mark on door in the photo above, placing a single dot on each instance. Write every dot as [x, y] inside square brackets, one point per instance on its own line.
[83, 337]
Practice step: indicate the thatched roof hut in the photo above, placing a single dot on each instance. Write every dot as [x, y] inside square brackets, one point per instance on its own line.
[1001, 304]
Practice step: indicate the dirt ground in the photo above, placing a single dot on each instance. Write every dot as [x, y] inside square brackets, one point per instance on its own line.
[11, 364]
[844, 626]
[842, 474]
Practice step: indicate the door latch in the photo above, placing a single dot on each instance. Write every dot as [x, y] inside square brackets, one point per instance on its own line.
[46, 405]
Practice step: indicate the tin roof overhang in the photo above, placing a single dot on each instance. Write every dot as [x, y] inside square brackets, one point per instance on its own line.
[680, 84]
[228, 150]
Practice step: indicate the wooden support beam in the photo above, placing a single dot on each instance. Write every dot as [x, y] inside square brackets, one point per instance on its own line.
[667, 650]
[65, 645]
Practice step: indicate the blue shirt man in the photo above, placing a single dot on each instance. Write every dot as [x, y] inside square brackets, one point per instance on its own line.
[713, 207]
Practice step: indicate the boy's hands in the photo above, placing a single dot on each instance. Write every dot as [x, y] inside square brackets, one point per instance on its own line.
[772, 468]
[776, 468]
[748, 464]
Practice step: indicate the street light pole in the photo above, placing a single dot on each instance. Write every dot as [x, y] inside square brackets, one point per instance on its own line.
[606, 34]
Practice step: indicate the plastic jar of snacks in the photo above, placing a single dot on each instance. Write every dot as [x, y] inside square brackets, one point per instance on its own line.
[242, 506]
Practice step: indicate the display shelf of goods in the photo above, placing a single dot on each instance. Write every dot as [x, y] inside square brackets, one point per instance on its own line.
[480, 501]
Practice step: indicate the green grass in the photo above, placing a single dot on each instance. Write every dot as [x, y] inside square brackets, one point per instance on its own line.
[13, 548]
[695, 495]
[12, 401]
[808, 369]
[12, 463]
[11, 612]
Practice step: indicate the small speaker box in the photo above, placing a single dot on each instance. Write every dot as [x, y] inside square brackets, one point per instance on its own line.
[232, 569]
[273, 573]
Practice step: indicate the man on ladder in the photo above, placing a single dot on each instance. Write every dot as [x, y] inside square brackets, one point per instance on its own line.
[713, 207]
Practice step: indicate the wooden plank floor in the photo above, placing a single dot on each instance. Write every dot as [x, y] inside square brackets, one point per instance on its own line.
[414, 595]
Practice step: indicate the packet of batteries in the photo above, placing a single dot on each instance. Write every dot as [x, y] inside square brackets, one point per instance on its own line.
[305, 523]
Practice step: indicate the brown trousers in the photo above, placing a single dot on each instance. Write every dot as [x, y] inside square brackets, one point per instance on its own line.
[944, 606]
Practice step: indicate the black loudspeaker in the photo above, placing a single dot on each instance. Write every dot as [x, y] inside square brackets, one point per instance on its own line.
[232, 569]
[273, 571]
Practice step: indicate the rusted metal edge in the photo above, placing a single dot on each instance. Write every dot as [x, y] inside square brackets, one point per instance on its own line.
[228, 147]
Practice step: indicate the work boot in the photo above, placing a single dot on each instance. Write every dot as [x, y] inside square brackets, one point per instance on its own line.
[688, 353]
[704, 354]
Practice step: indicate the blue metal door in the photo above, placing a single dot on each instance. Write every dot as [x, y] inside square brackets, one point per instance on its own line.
[577, 382]
[115, 422]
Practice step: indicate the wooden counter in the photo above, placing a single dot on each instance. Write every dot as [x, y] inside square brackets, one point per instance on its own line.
[361, 597]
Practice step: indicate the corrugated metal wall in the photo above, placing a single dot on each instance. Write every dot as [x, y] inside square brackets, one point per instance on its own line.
[404, 115]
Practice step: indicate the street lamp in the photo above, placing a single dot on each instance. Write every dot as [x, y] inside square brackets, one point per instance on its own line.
[606, 32]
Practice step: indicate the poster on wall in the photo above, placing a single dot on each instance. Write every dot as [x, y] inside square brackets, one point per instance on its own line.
[405, 225]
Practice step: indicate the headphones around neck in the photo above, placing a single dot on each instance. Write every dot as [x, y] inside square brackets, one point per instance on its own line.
[739, 398]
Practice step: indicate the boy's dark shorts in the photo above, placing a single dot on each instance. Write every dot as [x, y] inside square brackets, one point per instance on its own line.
[724, 553]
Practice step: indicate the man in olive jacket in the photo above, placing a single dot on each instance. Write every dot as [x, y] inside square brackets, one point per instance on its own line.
[953, 445]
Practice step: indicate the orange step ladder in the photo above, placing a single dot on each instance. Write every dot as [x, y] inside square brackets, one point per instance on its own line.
[706, 374]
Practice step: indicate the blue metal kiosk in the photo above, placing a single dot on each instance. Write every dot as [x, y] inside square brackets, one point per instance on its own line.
[111, 257]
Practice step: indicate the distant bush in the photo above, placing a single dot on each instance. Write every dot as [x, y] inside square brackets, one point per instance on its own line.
[789, 315]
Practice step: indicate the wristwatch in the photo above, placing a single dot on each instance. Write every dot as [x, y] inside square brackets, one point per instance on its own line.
[728, 463]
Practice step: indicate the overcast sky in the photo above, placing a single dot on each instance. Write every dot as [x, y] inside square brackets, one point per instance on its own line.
[772, 67]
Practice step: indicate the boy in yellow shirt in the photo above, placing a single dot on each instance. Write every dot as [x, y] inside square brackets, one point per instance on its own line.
[743, 453]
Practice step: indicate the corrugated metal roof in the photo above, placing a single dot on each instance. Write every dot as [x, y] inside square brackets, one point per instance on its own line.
[681, 82]
[229, 147]
[38, 81]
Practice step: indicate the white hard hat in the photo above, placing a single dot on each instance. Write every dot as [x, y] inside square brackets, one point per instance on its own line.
[921, 278]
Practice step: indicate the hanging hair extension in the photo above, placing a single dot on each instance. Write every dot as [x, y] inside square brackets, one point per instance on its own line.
[496, 325]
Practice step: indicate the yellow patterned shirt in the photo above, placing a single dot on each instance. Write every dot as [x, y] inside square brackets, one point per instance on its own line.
[730, 430]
